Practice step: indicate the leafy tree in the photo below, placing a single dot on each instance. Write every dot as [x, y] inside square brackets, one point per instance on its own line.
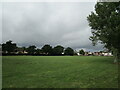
[69, 51]
[82, 52]
[9, 47]
[58, 50]
[39, 51]
[105, 25]
[31, 49]
[47, 49]
[24, 49]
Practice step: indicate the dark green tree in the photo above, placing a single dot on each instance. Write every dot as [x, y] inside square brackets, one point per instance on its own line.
[105, 25]
[39, 51]
[82, 52]
[31, 49]
[69, 51]
[58, 50]
[47, 49]
[24, 49]
[9, 47]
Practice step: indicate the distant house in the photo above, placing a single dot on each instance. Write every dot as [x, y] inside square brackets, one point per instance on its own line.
[102, 54]
[107, 54]
[97, 54]
[78, 53]
[88, 53]
[20, 51]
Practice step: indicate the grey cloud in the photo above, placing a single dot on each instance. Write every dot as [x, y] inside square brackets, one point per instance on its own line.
[48, 23]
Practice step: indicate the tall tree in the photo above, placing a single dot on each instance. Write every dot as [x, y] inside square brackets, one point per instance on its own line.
[69, 51]
[47, 49]
[82, 52]
[105, 25]
[58, 50]
[31, 49]
[39, 51]
[9, 47]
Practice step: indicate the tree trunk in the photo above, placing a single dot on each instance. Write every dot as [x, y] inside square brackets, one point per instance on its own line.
[115, 60]
[116, 54]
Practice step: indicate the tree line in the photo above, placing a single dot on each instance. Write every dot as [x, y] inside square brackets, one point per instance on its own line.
[10, 48]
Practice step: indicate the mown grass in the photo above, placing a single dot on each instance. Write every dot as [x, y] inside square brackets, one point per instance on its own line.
[59, 72]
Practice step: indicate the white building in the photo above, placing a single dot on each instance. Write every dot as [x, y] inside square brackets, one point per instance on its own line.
[107, 54]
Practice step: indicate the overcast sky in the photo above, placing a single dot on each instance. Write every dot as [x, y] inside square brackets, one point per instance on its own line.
[54, 23]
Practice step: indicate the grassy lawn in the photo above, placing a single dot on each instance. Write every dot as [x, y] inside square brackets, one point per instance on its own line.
[59, 72]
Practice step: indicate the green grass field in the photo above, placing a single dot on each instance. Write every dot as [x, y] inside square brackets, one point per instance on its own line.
[59, 72]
